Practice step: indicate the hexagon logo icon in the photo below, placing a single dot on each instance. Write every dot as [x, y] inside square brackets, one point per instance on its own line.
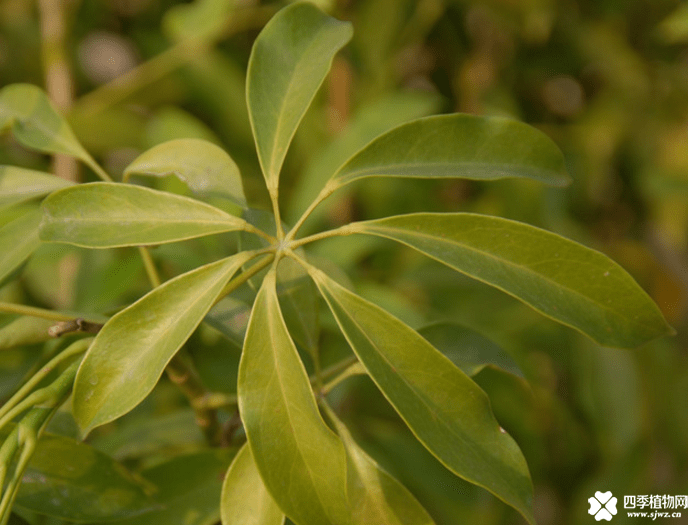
[602, 506]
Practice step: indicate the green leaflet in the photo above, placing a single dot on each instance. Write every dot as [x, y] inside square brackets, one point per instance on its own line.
[563, 280]
[18, 240]
[302, 462]
[288, 63]
[25, 330]
[458, 145]
[443, 407]
[374, 495]
[189, 488]
[245, 500]
[108, 215]
[21, 184]
[36, 124]
[73, 481]
[131, 351]
[206, 168]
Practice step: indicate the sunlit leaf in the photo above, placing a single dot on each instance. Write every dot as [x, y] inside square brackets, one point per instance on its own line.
[288, 63]
[374, 495]
[27, 111]
[458, 145]
[18, 240]
[107, 215]
[189, 488]
[73, 481]
[468, 349]
[443, 407]
[206, 168]
[245, 500]
[564, 280]
[21, 184]
[131, 351]
[302, 462]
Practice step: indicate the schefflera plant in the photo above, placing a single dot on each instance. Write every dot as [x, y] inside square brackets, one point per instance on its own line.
[299, 460]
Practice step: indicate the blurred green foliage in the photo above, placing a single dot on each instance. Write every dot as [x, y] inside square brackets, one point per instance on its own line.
[606, 79]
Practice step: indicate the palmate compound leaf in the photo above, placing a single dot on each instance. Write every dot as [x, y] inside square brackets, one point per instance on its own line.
[458, 145]
[131, 351]
[301, 461]
[206, 168]
[443, 407]
[245, 500]
[562, 279]
[109, 215]
[36, 124]
[288, 63]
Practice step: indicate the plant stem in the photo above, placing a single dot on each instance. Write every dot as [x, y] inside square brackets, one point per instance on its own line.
[276, 210]
[11, 308]
[149, 265]
[353, 369]
[347, 229]
[245, 276]
[331, 186]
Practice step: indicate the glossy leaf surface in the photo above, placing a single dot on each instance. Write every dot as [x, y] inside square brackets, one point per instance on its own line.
[18, 240]
[302, 462]
[289, 61]
[21, 184]
[245, 500]
[564, 280]
[443, 407]
[206, 168]
[108, 215]
[72, 481]
[374, 495]
[458, 145]
[189, 489]
[131, 351]
[35, 123]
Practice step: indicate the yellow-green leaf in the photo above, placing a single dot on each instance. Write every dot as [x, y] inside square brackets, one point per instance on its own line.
[288, 63]
[21, 184]
[245, 500]
[27, 111]
[206, 168]
[302, 462]
[443, 407]
[131, 351]
[18, 240]
[562, 279]
[107, 215]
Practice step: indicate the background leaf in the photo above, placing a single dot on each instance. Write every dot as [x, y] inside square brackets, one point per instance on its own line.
[35, 123]
[189, 488]
[18, 240]
[72, 481]
[303, 41]
[245, 500]
[562, 279]
[206, 168]
[131, 351]
[21, 184]
[458, 145]
[288, 438]
[443, 407]
[107, 215]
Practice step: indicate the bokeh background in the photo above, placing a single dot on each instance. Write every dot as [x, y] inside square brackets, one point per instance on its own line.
[607, 80]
